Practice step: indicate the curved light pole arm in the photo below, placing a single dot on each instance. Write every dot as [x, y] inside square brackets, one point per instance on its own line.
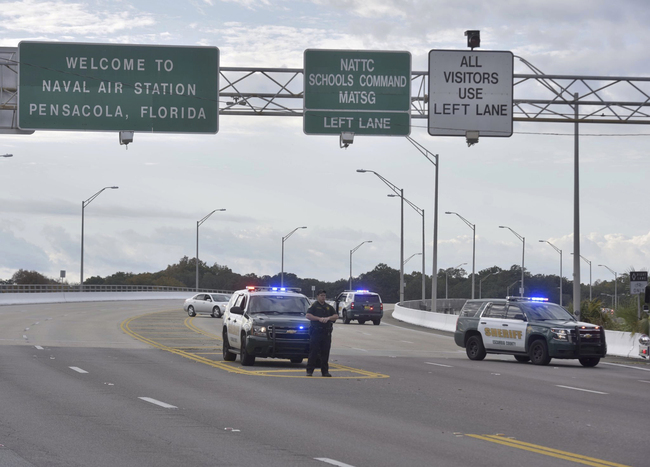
[198, 224]
[560, 252]
[283, 240]
[83, 206]
[615, 285]
[435, 160]
[480, 285]
[523, 253]
[473, 227]
[352, 251]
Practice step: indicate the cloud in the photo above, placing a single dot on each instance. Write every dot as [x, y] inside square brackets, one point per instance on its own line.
[60, 17]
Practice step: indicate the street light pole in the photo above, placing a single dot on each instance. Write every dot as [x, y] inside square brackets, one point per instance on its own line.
[83, 207]
[399, 192]
[434, 159]
[198, 224]
[421, 213]
[473, 227]
[480, 284]
[352, 251]
[283, 240]
[615, 286]
[523, 252]
[447, 281]
[560, 252]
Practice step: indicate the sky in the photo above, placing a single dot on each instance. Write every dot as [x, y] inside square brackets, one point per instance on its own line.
[272, 178]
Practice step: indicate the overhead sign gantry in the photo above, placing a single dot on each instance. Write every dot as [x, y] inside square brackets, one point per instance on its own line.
[105, 87]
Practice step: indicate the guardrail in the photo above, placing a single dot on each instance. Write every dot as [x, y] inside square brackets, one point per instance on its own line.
[448, 306]
[66, 288]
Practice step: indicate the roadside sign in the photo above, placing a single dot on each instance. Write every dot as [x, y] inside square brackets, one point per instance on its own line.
[110, 87]
[638, 281]
[470, 91]
[359, 91]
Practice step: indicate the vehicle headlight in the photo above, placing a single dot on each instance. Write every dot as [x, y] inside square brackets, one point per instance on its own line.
[561, 334]
[259, 331]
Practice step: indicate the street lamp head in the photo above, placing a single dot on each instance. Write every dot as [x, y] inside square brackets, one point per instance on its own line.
[7, 155]
[114, 187]
[544, 241]
[220, 210]
[449, 212]
[503, 227]
[302, 227]
[362, 171]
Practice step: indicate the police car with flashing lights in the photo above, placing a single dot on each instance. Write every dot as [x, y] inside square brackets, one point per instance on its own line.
[531, 329]
[361, 305]
[267, 322]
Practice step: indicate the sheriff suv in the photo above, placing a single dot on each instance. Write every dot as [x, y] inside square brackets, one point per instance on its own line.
[531, 329]
[266, 322]
[361, 305]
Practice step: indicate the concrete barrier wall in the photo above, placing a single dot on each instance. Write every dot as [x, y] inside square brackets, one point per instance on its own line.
[63, 297]
[620, 344]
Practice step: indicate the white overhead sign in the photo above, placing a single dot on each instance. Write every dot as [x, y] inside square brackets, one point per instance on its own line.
[470, 91]
[638, 281]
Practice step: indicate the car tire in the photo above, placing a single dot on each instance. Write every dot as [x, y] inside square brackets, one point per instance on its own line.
[376, 322]
[539, 353]
[296, 360]
[522, 358]
[589, 362]
[246, 358]
[362, 321]
[346, 320]
[190, 311]
[475, 349]
[216, 312]
[227, 354]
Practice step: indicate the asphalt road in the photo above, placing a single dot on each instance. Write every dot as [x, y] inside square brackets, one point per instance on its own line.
[142, 384]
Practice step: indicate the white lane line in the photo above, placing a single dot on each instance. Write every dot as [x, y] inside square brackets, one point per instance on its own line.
[332, 462]
[625, 366]
[408, 342]
[38, 347]
[356, 348]
[157, 402]
[24, 336]
[579, 389]
[438, 364]
[643, 381]
[77, 369]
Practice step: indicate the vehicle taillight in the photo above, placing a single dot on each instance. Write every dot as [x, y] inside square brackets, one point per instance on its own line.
[381, 306]
[372, 308]
[352, 306]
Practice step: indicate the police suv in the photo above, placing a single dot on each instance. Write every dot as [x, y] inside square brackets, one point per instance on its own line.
[531, 329]
[361, 305]
[266, 322]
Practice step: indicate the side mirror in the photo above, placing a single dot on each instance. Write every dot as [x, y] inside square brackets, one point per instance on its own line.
[236, 310]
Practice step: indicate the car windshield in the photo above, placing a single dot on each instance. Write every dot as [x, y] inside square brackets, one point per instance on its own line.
[217, 297]
[366, 298]
[279, 304]
[545, 311]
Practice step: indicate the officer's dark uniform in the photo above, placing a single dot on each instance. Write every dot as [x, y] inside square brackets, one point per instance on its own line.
[320, 337]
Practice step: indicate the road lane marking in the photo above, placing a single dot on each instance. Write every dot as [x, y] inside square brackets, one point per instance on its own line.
[38, 347]
[332, 462]
[513, 443]
[157, 402]
[77, 369]
[580, 389]
[197, 353]
[438, 364]
[408, 342]
[643, 381]
[625, 366]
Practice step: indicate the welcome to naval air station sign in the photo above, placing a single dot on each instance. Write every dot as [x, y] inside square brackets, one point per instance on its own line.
[102, 87]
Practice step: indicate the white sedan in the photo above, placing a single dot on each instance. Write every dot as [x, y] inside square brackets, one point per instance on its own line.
[212, 304]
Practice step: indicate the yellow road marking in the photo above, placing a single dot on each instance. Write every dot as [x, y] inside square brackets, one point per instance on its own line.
[134, 330]
[547, 451]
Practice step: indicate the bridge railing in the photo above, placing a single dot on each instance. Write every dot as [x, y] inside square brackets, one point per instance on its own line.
[66, 288]
[451, 306]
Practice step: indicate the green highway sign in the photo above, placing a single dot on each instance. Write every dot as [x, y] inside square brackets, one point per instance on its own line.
[359, 91]
[109, 87]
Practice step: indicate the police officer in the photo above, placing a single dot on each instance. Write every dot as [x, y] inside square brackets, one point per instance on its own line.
[322, 317]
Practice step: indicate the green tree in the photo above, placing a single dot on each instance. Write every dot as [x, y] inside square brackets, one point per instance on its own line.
[23, 276]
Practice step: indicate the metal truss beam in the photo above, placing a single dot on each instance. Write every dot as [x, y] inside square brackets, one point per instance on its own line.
[278, 92]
